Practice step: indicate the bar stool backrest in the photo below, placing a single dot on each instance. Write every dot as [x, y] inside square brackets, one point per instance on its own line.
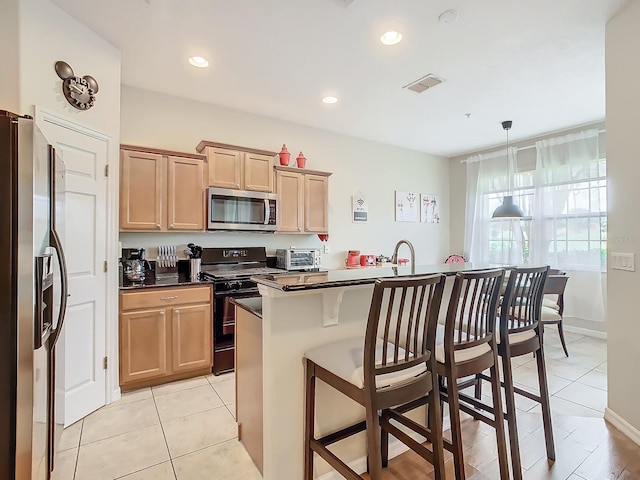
[522, 300]
[472, 311]
[402, 324]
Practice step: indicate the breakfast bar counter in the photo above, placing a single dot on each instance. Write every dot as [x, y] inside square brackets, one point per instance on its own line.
[301, 311]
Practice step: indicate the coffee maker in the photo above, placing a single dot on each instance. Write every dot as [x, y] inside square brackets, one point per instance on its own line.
[135, 265]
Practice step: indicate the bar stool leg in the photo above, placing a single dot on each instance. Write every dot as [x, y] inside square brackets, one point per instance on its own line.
[373, 443]
[512, 423]
[561, 333]
[434, 417]
[456, 433]
[544, 401]
[384, 447]
[499, 420]
[310, 401]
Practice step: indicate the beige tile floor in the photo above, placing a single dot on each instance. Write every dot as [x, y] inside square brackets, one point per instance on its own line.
[183, 430]
[186, 430]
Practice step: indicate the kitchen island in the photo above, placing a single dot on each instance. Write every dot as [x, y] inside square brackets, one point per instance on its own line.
[300, 311]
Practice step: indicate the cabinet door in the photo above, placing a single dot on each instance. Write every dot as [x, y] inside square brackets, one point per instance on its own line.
[225, 168]
[290, 186]
[142, 189]
[316, 190]
[258, 172]
[185, 194]
[192, 337]
[143, 345]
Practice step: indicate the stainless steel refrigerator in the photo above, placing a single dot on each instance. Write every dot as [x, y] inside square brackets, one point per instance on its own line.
[33, 296]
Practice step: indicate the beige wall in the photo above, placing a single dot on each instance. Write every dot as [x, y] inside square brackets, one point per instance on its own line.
[162, 121]
[623, 132]
[9, 77]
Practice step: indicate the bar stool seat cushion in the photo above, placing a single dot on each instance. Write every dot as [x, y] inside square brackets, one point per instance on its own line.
[345, 359]
[550, 314]
[549, 303]
[516, 337]
[460, 355]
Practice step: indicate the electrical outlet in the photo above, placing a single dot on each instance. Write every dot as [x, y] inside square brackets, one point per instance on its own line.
[623, 261]
[326, 248]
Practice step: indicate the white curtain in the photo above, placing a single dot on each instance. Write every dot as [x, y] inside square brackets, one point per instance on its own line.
[568, 230]
[487, 183]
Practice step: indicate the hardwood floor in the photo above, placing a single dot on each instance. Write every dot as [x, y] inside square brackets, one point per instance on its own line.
[587, 448]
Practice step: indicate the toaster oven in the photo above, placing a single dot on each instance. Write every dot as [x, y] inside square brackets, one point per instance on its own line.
[298, 258]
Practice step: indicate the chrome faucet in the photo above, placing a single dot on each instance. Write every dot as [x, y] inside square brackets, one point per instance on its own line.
[394, 257]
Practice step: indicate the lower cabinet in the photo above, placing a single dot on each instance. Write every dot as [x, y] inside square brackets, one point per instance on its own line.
[165, 335]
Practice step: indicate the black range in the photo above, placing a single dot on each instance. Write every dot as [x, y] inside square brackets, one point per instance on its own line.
[230, 270]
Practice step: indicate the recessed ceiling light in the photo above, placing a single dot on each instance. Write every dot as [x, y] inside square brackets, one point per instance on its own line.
[329, 99]
[391, 38]
[199, 62]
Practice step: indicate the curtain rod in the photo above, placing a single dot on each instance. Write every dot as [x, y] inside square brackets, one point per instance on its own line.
[464, 160]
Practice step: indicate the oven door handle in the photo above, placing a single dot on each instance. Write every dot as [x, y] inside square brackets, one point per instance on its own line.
[237, 294]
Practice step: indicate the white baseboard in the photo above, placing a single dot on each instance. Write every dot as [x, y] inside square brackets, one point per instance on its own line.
[621, 424]
[396, 447]
[585, 331]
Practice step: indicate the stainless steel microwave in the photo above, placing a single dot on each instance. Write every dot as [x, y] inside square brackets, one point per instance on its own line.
[241, 210]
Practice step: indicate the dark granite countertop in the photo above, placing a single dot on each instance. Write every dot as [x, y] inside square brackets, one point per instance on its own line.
[359, 276]
[152, 282]
[252, 305]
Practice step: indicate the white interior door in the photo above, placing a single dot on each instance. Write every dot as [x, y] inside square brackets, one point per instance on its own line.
[80, 373]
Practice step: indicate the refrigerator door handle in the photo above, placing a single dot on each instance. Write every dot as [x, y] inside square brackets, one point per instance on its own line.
[64, 286]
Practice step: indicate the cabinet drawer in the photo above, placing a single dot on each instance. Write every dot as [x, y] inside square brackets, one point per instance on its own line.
[164, 297]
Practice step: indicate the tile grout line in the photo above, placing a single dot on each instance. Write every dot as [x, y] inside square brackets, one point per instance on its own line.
[173, 468]
[75, 467]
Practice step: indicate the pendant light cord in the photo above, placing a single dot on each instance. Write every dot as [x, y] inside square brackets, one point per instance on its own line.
[508, 166]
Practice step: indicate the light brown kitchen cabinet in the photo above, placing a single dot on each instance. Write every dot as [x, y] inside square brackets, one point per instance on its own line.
[191, 330]
[303, 200]
[238, 168]
[316, 195]
[161, 190]
[141, 190]
[166, 334]
[143, 345]
[290, 210]
[185, 193]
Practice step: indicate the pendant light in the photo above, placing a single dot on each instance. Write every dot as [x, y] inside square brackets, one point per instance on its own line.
[508, 210]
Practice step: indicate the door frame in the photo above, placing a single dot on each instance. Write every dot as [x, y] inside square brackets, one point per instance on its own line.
[112, 381]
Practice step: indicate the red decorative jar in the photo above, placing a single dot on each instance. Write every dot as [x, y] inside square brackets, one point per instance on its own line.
[284, 156]
[302, 161]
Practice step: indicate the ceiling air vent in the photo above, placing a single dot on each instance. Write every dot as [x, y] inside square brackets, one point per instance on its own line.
[423, 83]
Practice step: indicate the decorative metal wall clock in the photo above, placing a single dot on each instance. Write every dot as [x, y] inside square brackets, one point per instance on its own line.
[80, 92]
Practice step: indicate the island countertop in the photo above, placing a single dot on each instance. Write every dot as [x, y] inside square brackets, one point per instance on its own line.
[360, 276]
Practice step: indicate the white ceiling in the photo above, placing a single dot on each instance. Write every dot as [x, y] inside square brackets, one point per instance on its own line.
[539, 63]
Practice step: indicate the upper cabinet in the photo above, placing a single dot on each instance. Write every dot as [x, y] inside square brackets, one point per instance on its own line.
[161, 190]
[303, 202]
[238, 168]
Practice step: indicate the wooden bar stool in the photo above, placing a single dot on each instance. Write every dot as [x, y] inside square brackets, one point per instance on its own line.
[520, 333]
[378, 373]
[467, 347]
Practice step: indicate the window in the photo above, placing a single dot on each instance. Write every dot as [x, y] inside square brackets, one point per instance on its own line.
[561, 187]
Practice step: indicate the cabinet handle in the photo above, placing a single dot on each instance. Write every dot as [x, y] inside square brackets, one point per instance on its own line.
[173, 297]
[177, 312]
[158, 227]
[162, 314]
[171, 226]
